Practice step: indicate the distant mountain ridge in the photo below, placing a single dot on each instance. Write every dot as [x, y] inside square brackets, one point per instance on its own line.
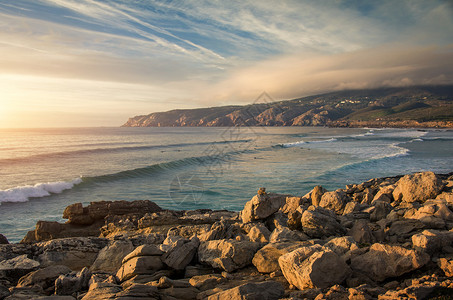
[416, 106]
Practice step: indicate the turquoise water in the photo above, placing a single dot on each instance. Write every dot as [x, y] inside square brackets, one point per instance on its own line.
[44, 170]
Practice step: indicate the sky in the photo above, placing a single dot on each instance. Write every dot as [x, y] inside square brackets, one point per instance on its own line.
[81, 63]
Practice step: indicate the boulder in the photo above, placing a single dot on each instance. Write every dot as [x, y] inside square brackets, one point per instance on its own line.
[75, 253]
[385, 194]
[385, 261]
[432, 241]
[14, 268]
[3, 240]
[284, 234]
[111, 256]
[334, 201]
[73, 282]
[228, 255]
[137, 264]
[292, 204]
[76, 214]
[316, 195]
[446, 265]
[418, 187]
[361, 232]
[144, 260]
[262, 206]
[380, 211]
[318, 222]
[144, 250]
[313, 267]
[45, 278]
[180, 256]
[266, 259]
[259, 233]
[341, 245]
[103, 291]
[206, 282]
[269, 290]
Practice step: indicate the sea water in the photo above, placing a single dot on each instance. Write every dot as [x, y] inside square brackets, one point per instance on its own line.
[44, 170]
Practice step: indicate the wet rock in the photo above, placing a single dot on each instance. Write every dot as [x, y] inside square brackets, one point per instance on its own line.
[262, 206]
[15, 268]
[228, 255]
[334, 201]
[180, 256]
[74, 282]
[318, 222]
[418, 187]
[385, 261]
[313, 267]
[268, 290]
[111, 256]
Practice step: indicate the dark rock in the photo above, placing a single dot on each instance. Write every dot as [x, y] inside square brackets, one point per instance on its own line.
[45, 278]
[3, 239]
[72, 283]
[15, 268]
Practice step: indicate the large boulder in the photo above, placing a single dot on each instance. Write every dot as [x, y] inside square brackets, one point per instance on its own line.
[418, 187]
[145, 259]
[318, 222]
[111, 256]
[313, 267]
[334, 201]
[266, 259]
[385, 261]
[180, 256]
[269, 290]
[14, 268]
[228, 255]
[75, 253]
[262, 206]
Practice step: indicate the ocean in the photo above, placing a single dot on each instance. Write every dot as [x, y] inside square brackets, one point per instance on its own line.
[44, 170]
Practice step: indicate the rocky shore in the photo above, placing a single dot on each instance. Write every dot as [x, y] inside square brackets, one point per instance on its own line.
[386, 238]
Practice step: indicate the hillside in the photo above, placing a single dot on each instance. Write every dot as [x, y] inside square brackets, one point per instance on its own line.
[418, 106]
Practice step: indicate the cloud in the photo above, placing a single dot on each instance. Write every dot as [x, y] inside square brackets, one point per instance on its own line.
[310, 73]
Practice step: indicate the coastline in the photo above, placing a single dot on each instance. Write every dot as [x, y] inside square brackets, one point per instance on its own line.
[385, 238]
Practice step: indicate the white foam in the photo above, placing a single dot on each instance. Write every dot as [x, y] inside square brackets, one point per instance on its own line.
[24, 193]
[297, 144]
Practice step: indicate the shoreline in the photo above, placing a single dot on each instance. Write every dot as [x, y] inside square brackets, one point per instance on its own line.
[385, 238]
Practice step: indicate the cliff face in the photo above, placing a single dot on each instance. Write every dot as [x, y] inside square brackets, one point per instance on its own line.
[421, 106]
